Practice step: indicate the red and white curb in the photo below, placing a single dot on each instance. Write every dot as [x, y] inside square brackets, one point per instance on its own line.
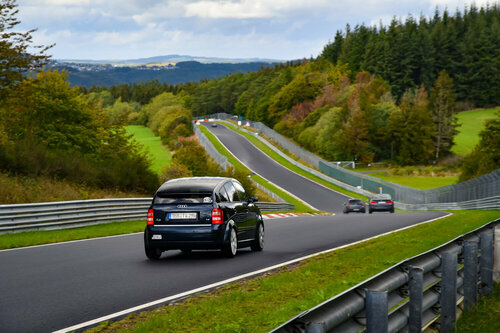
[283, 215]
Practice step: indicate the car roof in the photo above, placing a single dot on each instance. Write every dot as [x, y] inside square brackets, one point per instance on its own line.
[355, 199]
[193, 184]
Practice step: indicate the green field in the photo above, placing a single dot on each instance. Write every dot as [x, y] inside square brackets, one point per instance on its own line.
[472, 122]
[159, 154]
[418, 182]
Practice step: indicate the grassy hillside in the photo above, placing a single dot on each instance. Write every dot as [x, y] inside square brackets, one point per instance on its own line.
[472, 122]
[159, 155]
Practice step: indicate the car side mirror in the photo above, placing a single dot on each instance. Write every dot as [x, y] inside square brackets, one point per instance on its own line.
[254, 199]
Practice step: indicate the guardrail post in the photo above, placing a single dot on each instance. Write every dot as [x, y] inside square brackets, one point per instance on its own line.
[486, 263]
[470, 274]
[496, 259]
[415, 285]
[448, 291]
[377, 318]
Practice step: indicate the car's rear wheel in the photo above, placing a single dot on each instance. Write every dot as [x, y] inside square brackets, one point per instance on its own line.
[152, 253]
[231, 247]
[258, 243]
[370, 211]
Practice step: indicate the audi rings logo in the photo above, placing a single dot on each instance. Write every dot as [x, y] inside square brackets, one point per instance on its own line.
[182, 206]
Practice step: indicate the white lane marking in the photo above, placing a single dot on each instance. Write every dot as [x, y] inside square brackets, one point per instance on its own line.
[224, 282]
[282, 189]
[68, 242]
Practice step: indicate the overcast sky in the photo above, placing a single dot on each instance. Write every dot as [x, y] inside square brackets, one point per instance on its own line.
[277, 29]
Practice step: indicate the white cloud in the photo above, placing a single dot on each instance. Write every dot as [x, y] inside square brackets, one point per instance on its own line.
[250, 8]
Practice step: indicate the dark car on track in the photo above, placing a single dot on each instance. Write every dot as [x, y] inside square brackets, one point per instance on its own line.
[354, 205]
[381, 203]
[202, 213]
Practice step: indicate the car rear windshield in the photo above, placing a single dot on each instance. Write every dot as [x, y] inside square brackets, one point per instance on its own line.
[176, 198]
[356, 202]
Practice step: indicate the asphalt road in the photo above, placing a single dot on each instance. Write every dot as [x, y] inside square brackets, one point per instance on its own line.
[52, 287]
[313, 193]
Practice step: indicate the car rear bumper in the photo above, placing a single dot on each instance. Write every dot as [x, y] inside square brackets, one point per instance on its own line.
[385, 208]
[179, 237]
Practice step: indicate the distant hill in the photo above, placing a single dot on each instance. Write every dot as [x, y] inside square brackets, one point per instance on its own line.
[171, 58]
[88, 74]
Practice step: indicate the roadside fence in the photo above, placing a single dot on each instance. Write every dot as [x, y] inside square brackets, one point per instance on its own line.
[70, 214]
[425, 291]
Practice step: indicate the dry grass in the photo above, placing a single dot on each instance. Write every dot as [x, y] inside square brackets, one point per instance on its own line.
[15, 190]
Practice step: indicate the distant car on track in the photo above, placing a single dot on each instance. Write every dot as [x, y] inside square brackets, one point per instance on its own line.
[203, 213]
[214, 124]
[354, 205]
[381, 203]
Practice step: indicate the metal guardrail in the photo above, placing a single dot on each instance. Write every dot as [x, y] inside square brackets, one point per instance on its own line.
[412, 295]
[487, 203]
[70, 214]
[275, 206]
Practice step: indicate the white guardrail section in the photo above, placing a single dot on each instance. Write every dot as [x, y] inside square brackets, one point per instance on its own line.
[70, 214]
[425, 291]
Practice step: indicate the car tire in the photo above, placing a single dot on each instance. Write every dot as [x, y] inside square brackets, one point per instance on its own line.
[153, 253]
[231, 247]
[370, 211]
[258, 243]
[392, 210]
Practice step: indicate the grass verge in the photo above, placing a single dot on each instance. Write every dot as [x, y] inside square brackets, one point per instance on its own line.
[299, 205]
[30, 238]
[263, 303]
[485, 316]
[159, 154]
[418, 182]
[283, 161]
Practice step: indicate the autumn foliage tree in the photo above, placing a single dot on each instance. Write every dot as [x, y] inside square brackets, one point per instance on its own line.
[442, 103]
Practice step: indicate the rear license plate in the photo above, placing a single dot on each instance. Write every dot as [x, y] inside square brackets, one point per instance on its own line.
[356, 209]
[382, 202]
[156, 237]
[182, 216]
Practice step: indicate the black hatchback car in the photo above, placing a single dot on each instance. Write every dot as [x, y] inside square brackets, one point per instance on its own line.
[380, 203]
[203, 213]
[354, 205]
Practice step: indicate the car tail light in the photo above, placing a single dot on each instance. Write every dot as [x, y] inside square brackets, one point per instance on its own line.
[348, 205]
[150, 219]
[389, 201]
[216, 216]
[373, 201]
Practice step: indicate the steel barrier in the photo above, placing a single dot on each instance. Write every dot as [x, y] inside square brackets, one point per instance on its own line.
[412, 295]
[70, 214]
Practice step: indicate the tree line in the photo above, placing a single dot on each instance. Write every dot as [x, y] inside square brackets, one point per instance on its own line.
[413, 52]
